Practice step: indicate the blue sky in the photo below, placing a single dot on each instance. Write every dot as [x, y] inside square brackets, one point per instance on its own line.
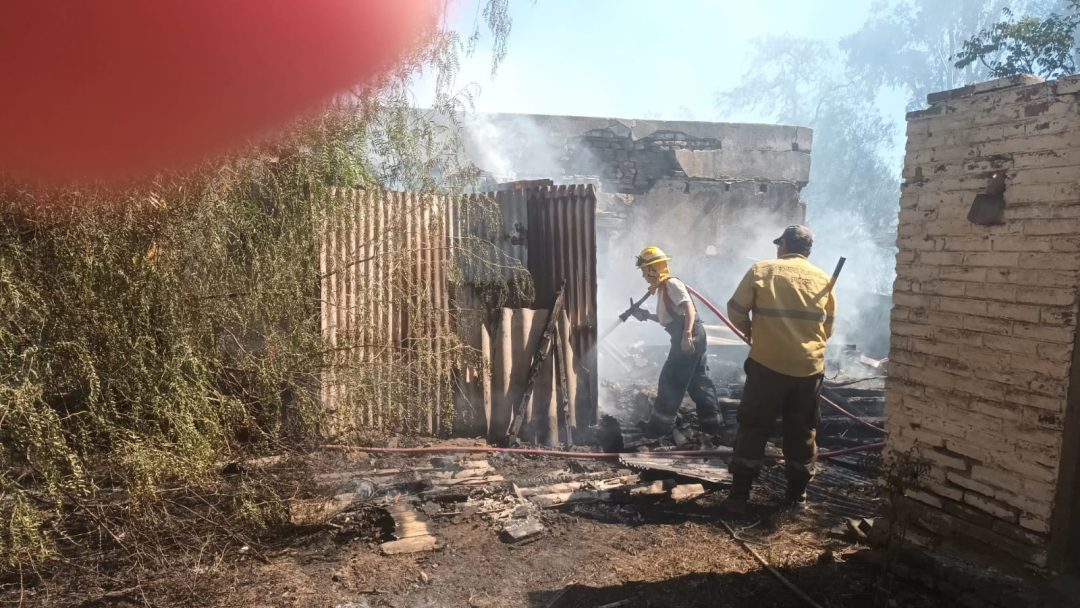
[663, 59]
[636, 58]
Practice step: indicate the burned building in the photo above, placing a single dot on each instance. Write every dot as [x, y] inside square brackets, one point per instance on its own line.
[698, 190]
[713, 195]
[983, 389]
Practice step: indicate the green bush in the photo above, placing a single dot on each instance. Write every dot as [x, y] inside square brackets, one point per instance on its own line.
[149, 335]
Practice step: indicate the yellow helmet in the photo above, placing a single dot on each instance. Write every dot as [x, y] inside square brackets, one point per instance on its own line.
[650, 256]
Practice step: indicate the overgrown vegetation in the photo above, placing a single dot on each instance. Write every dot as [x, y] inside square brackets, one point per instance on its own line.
[149, 336]
[1044, 46]
[897, 474]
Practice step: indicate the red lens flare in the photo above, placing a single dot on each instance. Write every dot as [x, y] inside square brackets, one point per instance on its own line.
[116, 88]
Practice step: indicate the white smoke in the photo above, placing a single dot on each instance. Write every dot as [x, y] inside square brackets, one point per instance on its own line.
[864, 290]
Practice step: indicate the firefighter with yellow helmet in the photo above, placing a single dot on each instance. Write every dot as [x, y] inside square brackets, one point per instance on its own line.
[686, 369]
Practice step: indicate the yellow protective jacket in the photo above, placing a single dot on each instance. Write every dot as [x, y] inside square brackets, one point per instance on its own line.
[786, 308]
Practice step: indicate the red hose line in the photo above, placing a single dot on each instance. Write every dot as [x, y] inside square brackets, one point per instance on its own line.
[852, 450]
[742, 337]
[837, 407]
[716, 311]
[455, 449]
[615, 455]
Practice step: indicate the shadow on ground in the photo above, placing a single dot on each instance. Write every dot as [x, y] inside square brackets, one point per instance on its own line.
[850, 584]
[858, 580]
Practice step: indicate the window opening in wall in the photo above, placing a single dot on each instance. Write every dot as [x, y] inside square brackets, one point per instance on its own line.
[988, 209]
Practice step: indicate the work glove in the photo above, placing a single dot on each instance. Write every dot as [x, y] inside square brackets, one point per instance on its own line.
[688, 344]
[640, 314]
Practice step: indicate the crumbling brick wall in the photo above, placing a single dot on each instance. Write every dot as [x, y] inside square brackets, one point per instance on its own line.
[630, 162]
[984, 316]
[632, 166]
[629, 156]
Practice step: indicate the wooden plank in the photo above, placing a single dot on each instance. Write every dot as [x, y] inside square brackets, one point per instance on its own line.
[502, 375]
[687, 491]
[318, 511]
[412, 529]
[558, 499]
[601, 484]
[407, 517]
[486, 374]
[468, 481]
[553, 488]
[462, 474]
[648, 489]
[408, 524]
[414, 544]
[563, 365]
[713, 471]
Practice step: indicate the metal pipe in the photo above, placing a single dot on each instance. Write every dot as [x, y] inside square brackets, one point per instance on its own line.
[836, 272]
[809, 601]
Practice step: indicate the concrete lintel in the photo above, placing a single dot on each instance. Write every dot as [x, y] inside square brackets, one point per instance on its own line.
[790, 165]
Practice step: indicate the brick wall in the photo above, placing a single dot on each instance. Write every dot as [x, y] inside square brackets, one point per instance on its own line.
[984, 317]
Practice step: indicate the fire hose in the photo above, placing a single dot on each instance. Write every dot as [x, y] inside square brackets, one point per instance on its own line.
[743, 337]
[458, 449]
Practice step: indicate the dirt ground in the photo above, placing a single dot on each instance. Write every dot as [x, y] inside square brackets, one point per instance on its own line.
[589, 555]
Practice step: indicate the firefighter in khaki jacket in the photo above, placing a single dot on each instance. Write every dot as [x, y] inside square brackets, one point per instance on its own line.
[786, 308]
[685, 370]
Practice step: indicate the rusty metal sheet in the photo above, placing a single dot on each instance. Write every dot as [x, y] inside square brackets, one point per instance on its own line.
[562, 247]
[515, 340]
[497, 222]
[550, 231]
[487, 235]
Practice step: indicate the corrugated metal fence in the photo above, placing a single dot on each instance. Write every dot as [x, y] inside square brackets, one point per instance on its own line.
[562, 246]
[385, 308]
[403, 275]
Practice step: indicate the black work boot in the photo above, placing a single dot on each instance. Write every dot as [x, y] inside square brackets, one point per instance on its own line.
[712, 425]
[795, 496]
[656, 427]
[738, 497]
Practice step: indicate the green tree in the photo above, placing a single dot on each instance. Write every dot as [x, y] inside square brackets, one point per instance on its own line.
[1029, 45]
[907, 46]
[798, 81]
[905, 50]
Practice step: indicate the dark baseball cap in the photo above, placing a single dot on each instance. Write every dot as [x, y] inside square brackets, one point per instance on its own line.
[796, 236]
